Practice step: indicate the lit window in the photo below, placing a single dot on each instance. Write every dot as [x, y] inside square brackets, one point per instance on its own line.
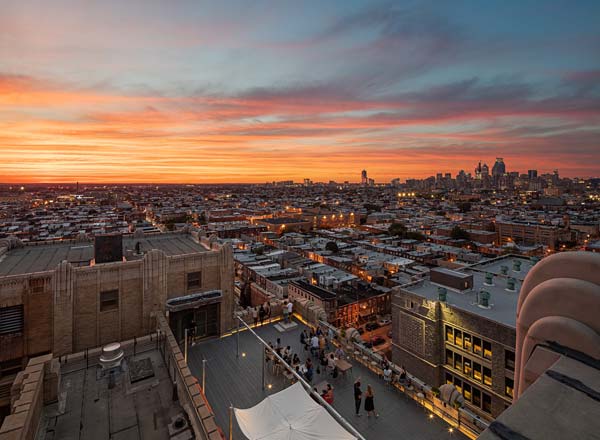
[509, 385]
[467, 341]
[458, 362]
[467, 366]
[477, 346]
[449, 334]
[458, 338]
[487, 350]
[477, 371]
[487, 376]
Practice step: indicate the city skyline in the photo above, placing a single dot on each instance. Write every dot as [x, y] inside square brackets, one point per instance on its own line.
[196, 94]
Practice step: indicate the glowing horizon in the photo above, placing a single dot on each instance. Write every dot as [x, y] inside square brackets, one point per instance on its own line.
[149, 92]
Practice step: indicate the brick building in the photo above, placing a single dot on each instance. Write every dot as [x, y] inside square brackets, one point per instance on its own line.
[55, 299]
[459, 327]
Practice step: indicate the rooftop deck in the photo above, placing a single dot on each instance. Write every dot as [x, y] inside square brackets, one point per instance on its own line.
[238, 381]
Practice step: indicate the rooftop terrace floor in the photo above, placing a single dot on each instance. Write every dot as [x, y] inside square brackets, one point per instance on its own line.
[238, 381]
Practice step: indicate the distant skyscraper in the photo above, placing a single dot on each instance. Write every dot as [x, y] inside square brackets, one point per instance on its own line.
[363, 177]
[532, 174]
[499, 169]
[485, 170]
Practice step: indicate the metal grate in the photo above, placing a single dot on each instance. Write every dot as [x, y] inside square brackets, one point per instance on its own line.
[11, 319]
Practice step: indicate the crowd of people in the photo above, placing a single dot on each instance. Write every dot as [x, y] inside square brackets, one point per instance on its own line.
[261, 314]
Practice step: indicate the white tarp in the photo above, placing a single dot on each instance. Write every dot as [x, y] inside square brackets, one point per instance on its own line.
[290, 414]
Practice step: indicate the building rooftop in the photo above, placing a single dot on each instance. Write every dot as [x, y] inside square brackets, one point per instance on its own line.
[238, 381]
[503, 303]
[96, 407]
[43, 257]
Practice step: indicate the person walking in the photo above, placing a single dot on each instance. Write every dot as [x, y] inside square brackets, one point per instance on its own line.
[357, 396]
[255, 316]
[369, 402]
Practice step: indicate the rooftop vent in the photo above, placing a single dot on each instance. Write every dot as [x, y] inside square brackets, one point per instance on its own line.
[483, 299]
[510, 284]
[112, 356]
[517, 265]
[489, 279]
[442, 293]
[504, 269]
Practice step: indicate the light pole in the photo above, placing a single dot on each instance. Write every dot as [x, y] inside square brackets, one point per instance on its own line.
[185, 345]
[204, 376]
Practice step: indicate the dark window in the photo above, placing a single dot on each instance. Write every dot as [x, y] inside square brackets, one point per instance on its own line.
[109, 300]
[11, 320]
[487, 403]
[509, 385]
[509, 362]
[448, 378]
[449, 357]
[449, 334]
[487, 376]
[487, 350]
[193, 280]
[477, 346]
[476, 397]
[458, 362]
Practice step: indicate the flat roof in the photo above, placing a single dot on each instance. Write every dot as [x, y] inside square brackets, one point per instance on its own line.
[44, 257]
[315, 290]
[93, 409]
[502, 301]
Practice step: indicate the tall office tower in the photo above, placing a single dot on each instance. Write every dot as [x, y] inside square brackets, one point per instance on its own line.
[438, 177]
[499, 169]
[532, 174]
[485, 170]
[363, 177]
[478, 171]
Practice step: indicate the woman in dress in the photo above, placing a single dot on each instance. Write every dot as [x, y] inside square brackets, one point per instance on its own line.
[369, 403]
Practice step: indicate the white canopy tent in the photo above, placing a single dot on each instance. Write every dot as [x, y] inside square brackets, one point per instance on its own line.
[290, 414]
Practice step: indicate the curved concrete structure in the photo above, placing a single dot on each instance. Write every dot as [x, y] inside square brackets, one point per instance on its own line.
[558, 305]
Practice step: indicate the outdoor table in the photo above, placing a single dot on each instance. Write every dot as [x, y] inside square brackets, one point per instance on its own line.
[343, 366]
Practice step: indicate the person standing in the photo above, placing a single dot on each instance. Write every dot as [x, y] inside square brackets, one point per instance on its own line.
[255, 316]
[261, 314]
[369, 402]
[314, 345]
[290, 308]
[285, 312]
[357, 396]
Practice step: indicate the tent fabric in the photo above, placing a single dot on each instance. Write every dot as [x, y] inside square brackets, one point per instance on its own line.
[290, 414]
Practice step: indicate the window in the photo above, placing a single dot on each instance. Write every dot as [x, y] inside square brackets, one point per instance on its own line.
[467, 367]
[467, 391]
[476, 397]
[477, 346]
[509, 360]
[458, 384]
[458, 362]
[477, 371]
[448, 378]
[449, 357]
[467, 341]
[449, 334]
[11, 320]
[458, 338]
[487, 350]
[193, 280]
[109, 300]
[487, 403]
[487, 376]
[509, 385]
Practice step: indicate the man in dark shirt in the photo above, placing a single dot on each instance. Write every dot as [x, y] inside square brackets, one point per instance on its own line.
[357, 396]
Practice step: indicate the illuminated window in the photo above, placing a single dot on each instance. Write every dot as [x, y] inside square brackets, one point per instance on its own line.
[467, 341]
[458, 384]
[509, 385]
[449, 334]
[487, 350]
[487, 376]
[458, 338]
[448, 378]
[477, 346]
[477, 371]
[467, 366]
[467, 391]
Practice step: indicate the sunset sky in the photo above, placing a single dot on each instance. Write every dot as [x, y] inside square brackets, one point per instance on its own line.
[251, 91]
